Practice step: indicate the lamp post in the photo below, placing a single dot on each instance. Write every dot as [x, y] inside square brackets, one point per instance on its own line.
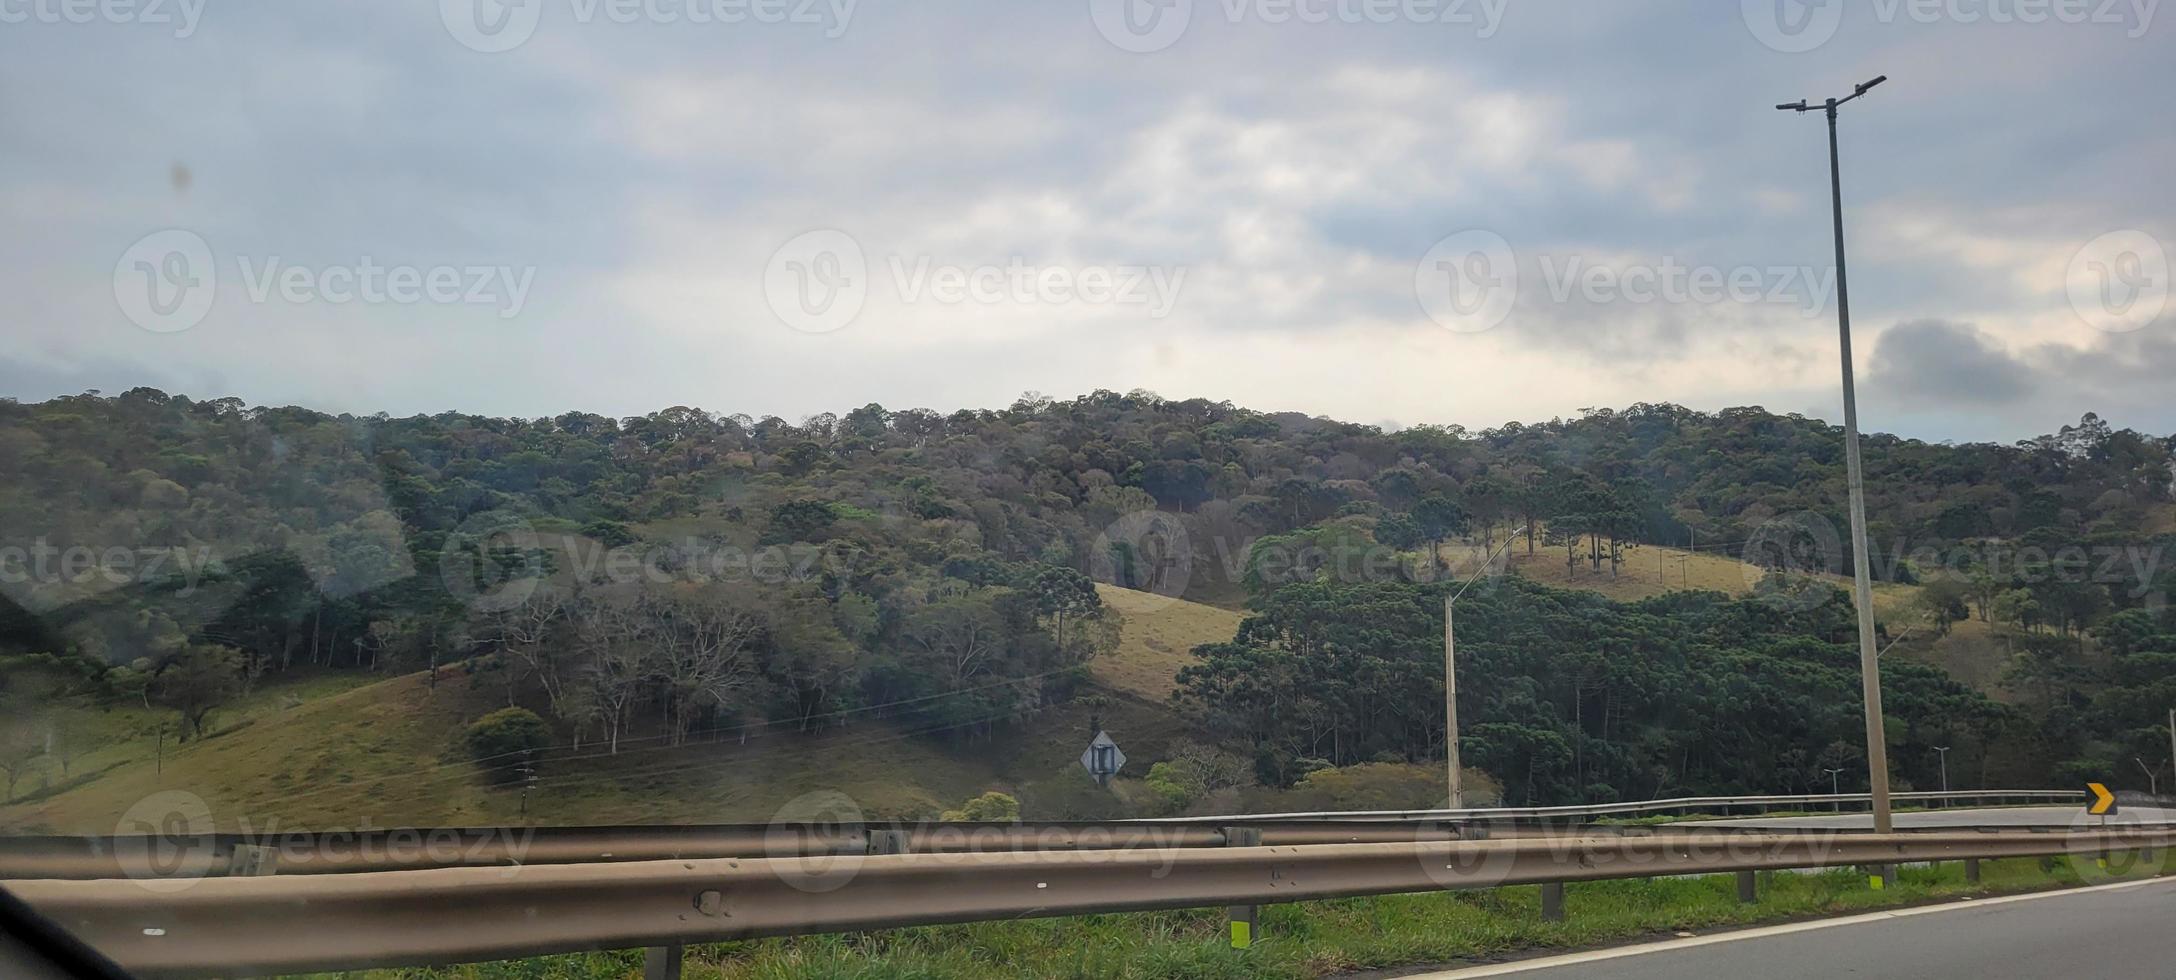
[1942, 751]
[1833, 790]
[1877, 754]
[1450, 674]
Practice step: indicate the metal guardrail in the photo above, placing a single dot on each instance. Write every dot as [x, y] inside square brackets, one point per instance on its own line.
[293, 924]
[408, 849]
[415, 849]
[1677, 805]
[399, 849]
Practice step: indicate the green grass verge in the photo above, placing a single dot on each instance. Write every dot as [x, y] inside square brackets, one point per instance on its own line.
[1303, 940]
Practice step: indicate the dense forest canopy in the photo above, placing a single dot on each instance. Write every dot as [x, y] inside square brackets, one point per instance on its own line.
[685, 572]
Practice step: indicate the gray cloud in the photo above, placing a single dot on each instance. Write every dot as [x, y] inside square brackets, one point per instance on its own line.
[1297, 172]
[1940, 363]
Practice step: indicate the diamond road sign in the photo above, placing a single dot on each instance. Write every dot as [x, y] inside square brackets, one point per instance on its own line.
[1102, 760]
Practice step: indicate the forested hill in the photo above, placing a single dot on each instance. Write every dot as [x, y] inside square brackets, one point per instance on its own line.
[169, 549]
[1033, 482]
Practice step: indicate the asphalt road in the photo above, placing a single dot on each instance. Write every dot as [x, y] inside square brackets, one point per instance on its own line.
[2018, 816]
[2121, 931]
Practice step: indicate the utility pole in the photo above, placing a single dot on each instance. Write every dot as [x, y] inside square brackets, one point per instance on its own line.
[1450, 676]
[527, 772]
[1877, 752]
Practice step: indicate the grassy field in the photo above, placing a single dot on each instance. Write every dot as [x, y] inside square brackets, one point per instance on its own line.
[1158, 638]
[324, 752]
[1303, 940]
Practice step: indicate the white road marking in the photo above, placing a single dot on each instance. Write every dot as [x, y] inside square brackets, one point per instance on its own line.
[1668, 945]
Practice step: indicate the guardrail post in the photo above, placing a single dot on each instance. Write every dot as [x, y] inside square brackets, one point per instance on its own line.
[250, 860]
[1748, 887]
[1245, 920]
[1552, 901]
[663, 962]
[1972, 870]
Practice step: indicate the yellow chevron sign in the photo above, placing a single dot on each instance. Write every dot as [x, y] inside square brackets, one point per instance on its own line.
[2103, 802]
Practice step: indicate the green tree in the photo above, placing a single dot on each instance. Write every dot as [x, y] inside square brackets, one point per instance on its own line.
[505, 742]
[198, 680]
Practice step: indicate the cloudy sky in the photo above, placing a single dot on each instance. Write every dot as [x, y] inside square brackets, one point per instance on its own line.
[1392, 211]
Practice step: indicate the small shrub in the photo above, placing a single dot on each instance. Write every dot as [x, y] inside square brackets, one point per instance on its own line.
[504, 738]
[992, 806]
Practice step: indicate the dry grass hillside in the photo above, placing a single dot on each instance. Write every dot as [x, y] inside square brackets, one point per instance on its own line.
[1158, 638]
[389, 754]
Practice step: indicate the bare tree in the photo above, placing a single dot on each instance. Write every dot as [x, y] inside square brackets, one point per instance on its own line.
[615, 642]
[523, 634]
[706, 655]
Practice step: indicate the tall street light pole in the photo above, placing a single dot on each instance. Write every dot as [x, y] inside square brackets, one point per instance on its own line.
[1943, 752]
[1877, 753]
[1450, 675]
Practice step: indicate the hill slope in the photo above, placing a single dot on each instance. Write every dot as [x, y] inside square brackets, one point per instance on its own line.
[388, 754]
